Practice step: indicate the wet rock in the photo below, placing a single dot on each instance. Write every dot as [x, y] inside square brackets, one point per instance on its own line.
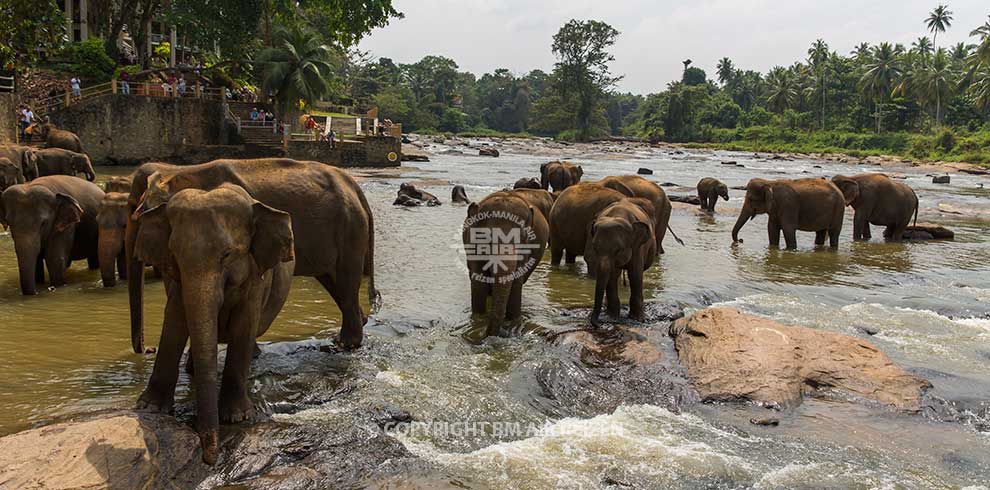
[644, 171]
[926, 231]
[729, 162]
[488, 151]
[388, 416]
[458, 195]
[738, 187]
[414, 157]
[669, 184]
[733, 356]
[871, 331]
[685, 199]
[765, 421]
[527, 183]
[941, 179]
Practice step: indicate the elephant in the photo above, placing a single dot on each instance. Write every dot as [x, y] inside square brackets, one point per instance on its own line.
[559, 175]
[457, 195]
[636, 186]
[527, 183]
[60, 138]
[409, 195]
[228, 262]
[808, 204]
[24, 157]
[112, 221]
[56, 161]
[878, 200]
[540, 199]
[709, 190]
[332, 225]
[52, 221]
[572, 212]
[621, 238]
[495, 272]
[118, 184]
[10, 174]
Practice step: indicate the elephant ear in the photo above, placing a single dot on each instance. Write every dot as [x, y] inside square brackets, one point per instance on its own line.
[641, 233]
[154, 229]
[578, 173]
[544, 179]
[850, 190]
[68, 212]
[30, 165]
[272, 242]
[615, 185]
[768, 197]
[472, 209]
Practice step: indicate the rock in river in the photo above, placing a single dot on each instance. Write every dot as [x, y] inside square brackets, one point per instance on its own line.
[734, 356]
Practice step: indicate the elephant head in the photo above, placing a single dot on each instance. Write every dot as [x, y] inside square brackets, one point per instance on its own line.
[10, 174]
[849, 187]
[81, 164]
[612, 241]
[37, 216]
[559, 175]
[759, 200]
[723, 191]
[118, 184]
[212, 244]
[527, 183]
[112, 221]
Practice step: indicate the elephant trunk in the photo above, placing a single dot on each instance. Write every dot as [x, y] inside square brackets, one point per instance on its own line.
[135, 287]
[111, 243]
[201, 297]
[601, 282]
[500, 301]
[27, 252]
[744, 215]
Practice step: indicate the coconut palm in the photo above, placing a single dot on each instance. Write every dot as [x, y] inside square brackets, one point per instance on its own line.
[961, 51]
[981, 56]
[861, 52]
[782, 90]
[726, 71]
[935, 80]
[923, 45]
[938, 21]
[296, 68]
[818, 56]
[882, 70]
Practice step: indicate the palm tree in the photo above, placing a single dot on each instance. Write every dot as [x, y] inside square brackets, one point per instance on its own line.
[981, 56]
[782, 92]
[877, 81]
[818, 56]
[726, 71]
[938, 21]
[861, 52]
[935, 80]
[923, 45]
[961, 51]
[296, 67]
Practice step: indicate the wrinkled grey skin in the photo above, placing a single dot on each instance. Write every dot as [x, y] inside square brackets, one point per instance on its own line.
[559, 175]
[228, 263]
[527, 183]
[56, 161]
[794, 204]
[709, 190]
[24, 158]
[10, 174]
[112, 221]
[52, 222]
[60, 138]
[880, 201]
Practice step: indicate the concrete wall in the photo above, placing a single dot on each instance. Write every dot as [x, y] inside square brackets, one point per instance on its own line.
[125, 130]
[369, 152]
[8, 119]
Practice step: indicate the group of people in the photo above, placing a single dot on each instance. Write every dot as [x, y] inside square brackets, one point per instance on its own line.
[262, 115]
[322, 132]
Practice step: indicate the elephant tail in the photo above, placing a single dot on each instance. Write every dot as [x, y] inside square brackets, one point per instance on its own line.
[671, 230]
[916, 206]
[374, 297]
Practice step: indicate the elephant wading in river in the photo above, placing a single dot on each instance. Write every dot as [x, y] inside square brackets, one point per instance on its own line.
[56, 161]
[227, 261]
[801, 204]
[527, 183]
[332, 225]
[52, 221]
[621, 239]
[10, 174]
[709, 190]
[24, 158]
[878, 200]
[559, 175]
[112, 221]
[572, 213]
[636, 186]
[504, 239]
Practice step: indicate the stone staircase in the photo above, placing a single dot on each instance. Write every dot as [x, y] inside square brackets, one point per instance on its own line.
[255, 133]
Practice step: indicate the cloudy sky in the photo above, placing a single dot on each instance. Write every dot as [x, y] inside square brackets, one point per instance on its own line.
[655, 36]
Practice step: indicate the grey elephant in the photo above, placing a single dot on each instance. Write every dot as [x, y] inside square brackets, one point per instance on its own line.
[409, 195]
[527, 183]
[10, 174]
[61, 138]
[52, 221]
[878, 200]
[56, 161]
[112, 220]
[458, 195]
[24, 158]
[709, 190]
[118, 184]
[559, 175]
[800, 204]
[228, 263]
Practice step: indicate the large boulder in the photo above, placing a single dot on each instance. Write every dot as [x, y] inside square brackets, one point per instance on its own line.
[734, 356]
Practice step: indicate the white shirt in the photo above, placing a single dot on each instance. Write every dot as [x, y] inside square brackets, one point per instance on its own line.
[74, 82]
[28, 116]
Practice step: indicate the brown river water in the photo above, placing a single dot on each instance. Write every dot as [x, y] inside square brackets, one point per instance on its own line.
[67, 351]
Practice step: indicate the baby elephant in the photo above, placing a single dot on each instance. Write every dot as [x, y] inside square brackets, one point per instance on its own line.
[621, 239]
[878, 200]
[228, 264]
[457, 195]
[10, 174]
[709, 190]
[112, 221]
[527, 183]
[118, 184]
[409, 195]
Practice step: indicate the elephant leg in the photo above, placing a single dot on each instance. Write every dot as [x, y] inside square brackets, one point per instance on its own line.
[122, 266]
[861, 228]
[790, 237]
[57, 263]
[513, 309]
[636, 292]
[612, 305]
[39, 269]
[235, 400]
[833, 236]
[570, 258]
[773, 232]
[897, 231]
[820, 237]
[345, 288]
[556, 254]
[93, 262]
[479, 297]
[190, 366]
[160, 393]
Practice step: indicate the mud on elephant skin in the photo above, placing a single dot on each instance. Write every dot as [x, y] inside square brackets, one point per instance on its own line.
[112, 221]
[52, 221]
[56, 161]
[559, 175]
[709, 190]
[808, 204]
[228, 261]
[487, 228]
[878, 200]
[409, 195]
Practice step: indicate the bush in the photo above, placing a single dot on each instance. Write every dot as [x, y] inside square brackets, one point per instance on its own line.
[567, 135]
[453, 121]
[946, 140]
[90, 60]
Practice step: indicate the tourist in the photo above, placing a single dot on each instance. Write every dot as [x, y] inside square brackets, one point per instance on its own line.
[76, 88]
[182, 85]
[311, 126]
[254, 114]
[22, 121]
[166, 88]
[332, 137]
[125, 87]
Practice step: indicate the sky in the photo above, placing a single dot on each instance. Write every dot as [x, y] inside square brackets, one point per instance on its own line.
[656, 36]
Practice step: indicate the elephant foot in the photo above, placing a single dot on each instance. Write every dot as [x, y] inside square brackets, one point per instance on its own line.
[149, 401]
[236, 411]
[349, 341]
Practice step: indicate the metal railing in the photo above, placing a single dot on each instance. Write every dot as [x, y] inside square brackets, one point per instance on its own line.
[47, 105]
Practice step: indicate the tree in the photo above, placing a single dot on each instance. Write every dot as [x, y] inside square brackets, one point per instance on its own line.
[935, 80]
[726, 71]
[861, 52]
[818, 56]
[227, 24]
[923, 45]
[694, 76]
[26, 26]
[296, 68]
[581, 71]
[782, 90]
[877, 81]
[938, 21]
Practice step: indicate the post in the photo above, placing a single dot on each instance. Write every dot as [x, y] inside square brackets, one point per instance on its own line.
[68, 20]
[173, 40]
[147, 38]
[83, 25]
[113, 86]
[357, 125]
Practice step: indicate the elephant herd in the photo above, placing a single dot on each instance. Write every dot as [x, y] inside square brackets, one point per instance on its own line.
[228, 235]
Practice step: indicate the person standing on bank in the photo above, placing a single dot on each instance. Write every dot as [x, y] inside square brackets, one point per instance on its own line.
[125, 87]
[76, 88]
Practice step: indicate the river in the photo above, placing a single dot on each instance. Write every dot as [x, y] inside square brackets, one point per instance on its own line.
[926, 305]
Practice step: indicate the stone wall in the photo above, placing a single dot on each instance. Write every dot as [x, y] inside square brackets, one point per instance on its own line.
[126, 130]
[368, 152]
[8, 120]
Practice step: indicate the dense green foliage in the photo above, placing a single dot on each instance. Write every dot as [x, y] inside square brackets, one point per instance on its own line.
[28, 28]
[90, 60]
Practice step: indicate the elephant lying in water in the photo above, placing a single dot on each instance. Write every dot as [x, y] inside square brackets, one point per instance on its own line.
[118, 184]
[228, 263]
[801, 204]
[52, 221]
[878, 200]
[527, 183]
[409, 195]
